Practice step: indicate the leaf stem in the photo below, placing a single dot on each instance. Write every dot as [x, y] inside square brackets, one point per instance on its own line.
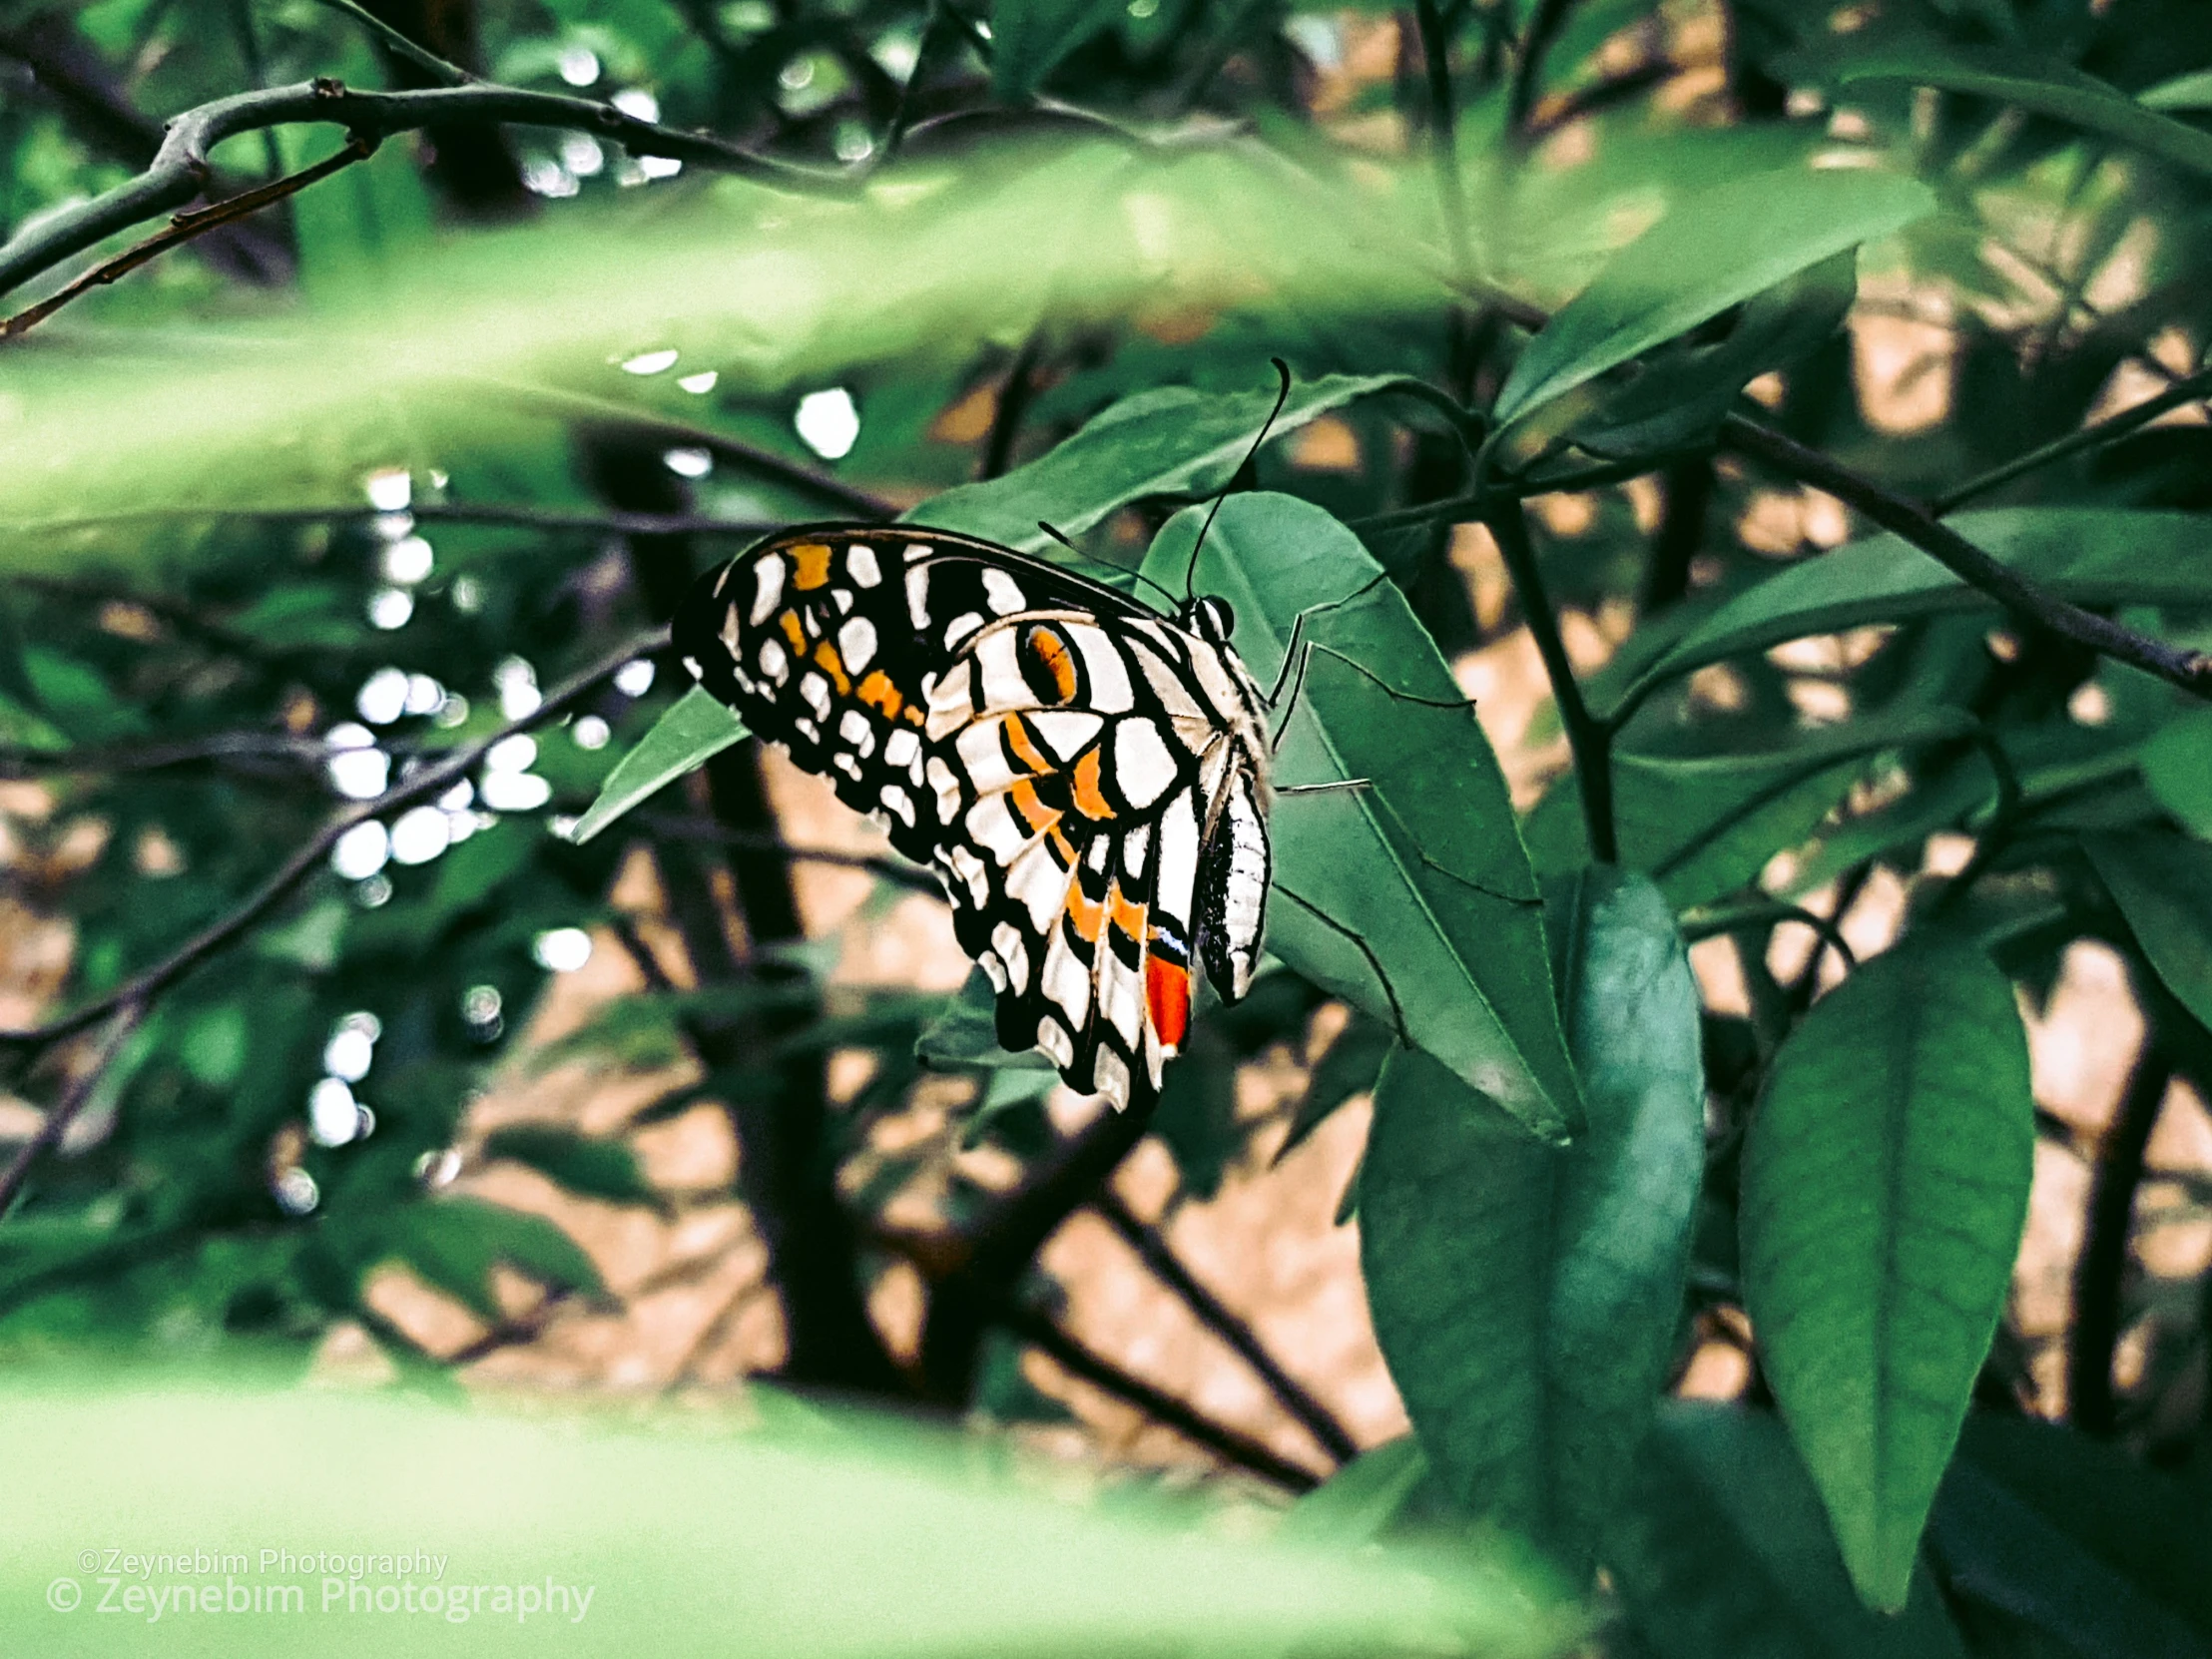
[1588, 740]
[2176, 664]
[2102, 1265]
[2110, 430]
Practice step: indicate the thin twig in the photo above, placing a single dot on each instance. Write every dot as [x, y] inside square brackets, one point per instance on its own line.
[433, 779]
[1769, 914]
[183, 227]
[180, 171]
[898, 872]
[2110, 430]
[1231, 1445]
[2176, 664]
[1590, 742]
[446, 74]
[2102, 1268]
[157, 757]
[73, 1101]
[1215, 1314]
[494, 514]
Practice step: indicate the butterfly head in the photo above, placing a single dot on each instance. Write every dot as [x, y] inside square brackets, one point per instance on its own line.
[1209, 618]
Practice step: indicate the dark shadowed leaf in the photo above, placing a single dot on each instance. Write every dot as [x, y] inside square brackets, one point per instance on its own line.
[1029, 38]
[1885, 1184]
[1349, 1068]
[2162, 884]
[1711, 251]
[454, 1243]
[2091, 555]
[1411, 897]
[1721, 1549]
[2044, 86]
[1170, 441]
[1526, 1296]
[586, 1166]
[695, 727]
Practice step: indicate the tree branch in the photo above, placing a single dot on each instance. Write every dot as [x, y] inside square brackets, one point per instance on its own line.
[1590, 742]
[186, 225]
[2109, 431]
[1095, 1369]
[1167, 1266]
[433, 779]
[2176, 664]
[73, 1101]
[179, 170]
[400, 45]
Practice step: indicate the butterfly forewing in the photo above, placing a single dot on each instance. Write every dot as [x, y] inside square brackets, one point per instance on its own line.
[1088, 778]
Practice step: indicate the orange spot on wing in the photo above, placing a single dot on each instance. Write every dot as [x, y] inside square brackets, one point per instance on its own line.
[1033, 810]
[794, 631]
[826, 655]
[1090, 799]
[1088, 916]
[914, 715]
[1062, 848]
[1046, 644]
[1128, 917]
[1167, 998]
[810, 564]
[1032, 759]
[877, 689]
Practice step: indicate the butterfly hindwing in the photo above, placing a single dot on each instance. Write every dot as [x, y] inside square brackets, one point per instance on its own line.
[1087, 776]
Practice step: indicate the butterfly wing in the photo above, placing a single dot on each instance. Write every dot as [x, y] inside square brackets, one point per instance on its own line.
[1058, 751]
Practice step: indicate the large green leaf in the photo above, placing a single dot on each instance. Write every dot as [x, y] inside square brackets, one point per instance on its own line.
[2162, 884]
[583, 1164]
[454, 1243]
[1717, 248]
[1703, 825]
[2068, 1536]
[2091, 555]
[1411, 896]
[1885, 1184]
[815, 1537]
[2045, 86]
[1029, 38]
[1526, 1296]
[2177, 766]
[1720, 1553]
[696, 725]
[1169, 442]
[2097, 1541]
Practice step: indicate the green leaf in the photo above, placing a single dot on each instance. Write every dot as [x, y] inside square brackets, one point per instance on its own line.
[1357, 1504]
[2177, 766]
[1884, 1185]
[966, 1033]
[1703, 825]
[1029, 38]
[821, 1534]
[2183, 92]
[2070, 1568]
[454, 1243]
[696, 726]
[214, 1045]
[1411, 898]
[2091, 555]
[1526, 1296]
[1350, 1067]
[1168, 441]
[584, 1165]
[1720, 1551]
[2162, 884]
[2043, 86]
[2082, 1498]
[1678, 396]
[1712, 250]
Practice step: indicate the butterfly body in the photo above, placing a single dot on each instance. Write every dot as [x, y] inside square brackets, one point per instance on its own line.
[1088, 776]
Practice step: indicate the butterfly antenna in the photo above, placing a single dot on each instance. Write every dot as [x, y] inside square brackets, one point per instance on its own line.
[1087, 559]
[1282, 396]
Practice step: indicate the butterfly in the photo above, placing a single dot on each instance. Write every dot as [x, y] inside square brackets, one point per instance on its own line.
[1087, 775]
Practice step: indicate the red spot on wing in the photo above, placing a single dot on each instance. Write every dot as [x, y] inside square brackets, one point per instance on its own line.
[1167, 996]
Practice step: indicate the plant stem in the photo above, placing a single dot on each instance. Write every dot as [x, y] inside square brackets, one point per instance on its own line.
[2176, 664]
[2193, 389]
[1590, 742]
[2102, 1268]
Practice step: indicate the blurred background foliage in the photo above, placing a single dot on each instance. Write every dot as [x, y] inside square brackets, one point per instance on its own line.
[346, 489]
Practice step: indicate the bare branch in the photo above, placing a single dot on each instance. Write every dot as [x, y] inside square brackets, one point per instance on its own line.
[433, 779]
[180, 171]
[73, 1101]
